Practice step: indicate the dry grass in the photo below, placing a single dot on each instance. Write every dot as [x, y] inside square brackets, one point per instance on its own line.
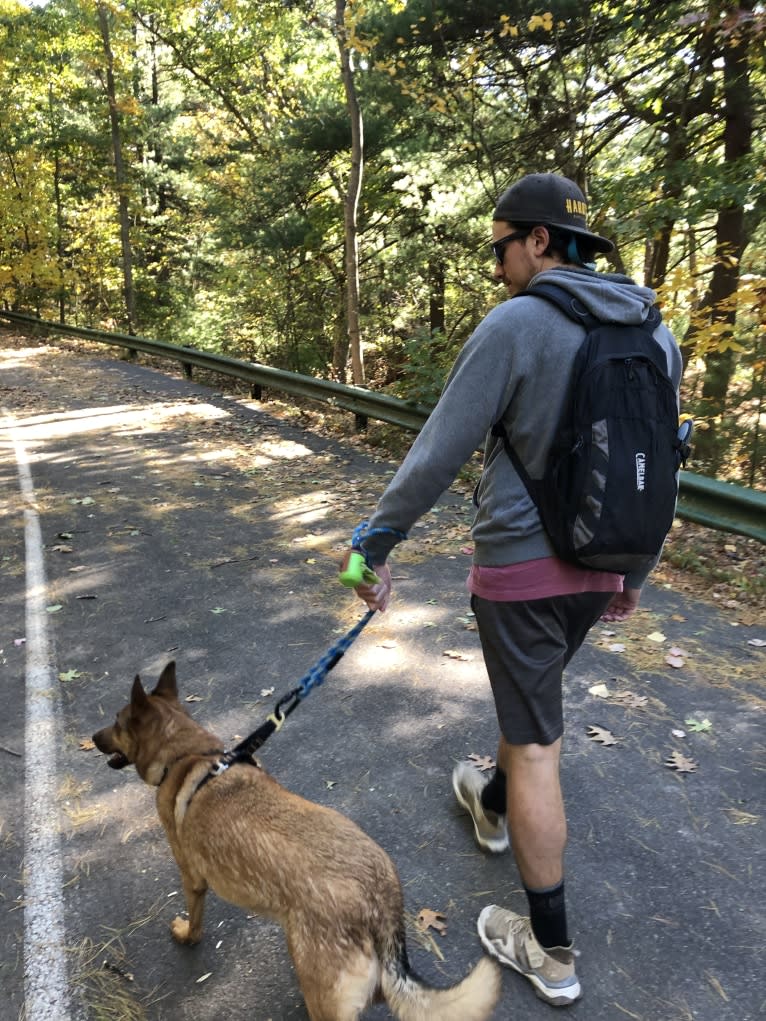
[104, 978]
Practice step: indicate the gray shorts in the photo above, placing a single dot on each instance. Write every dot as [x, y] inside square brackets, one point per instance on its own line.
[526, 646]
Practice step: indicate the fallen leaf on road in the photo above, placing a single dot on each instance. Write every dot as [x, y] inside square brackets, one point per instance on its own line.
[454, 654]
[482, 762]
[69, 675]
[601, 736]
[675, 661]
[678, 733]
[193, 698]
[680, 763]
[616, 647]
[656, 636]
[428, 919]
[600, 691]
[699, 726]
[759, 643]
[631, 700]
[86, 745]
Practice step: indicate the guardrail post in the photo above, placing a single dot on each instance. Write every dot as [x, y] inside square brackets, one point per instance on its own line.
[256, 392]
[187, 366]
[360, 422]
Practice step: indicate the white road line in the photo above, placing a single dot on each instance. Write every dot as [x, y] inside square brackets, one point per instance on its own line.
[46, 986]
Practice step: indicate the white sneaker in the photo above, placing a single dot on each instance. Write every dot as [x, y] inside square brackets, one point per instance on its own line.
[491, 832]
[509, 938]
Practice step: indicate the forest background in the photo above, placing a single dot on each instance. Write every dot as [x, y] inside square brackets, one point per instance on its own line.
[309, 183]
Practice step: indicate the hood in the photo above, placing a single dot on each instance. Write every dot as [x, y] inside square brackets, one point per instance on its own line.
[611, 297]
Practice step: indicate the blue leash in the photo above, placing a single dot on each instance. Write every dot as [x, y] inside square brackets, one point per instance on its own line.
[314, 677]
[245, 750]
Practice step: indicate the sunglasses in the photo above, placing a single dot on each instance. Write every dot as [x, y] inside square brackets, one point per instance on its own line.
[498, 247]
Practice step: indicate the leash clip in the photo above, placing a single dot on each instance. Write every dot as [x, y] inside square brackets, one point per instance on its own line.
[277, 718]
[220, 766]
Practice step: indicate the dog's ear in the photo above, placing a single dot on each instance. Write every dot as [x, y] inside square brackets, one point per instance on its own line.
[138, 697]
[166, 685]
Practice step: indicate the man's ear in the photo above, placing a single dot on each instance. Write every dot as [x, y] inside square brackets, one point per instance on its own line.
[541, 237]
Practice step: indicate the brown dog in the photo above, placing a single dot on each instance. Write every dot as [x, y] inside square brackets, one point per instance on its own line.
[335, 892]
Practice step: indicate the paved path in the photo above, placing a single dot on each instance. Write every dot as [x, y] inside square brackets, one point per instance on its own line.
[178, 523]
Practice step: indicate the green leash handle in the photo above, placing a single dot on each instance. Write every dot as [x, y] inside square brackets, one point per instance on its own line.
[354, 571]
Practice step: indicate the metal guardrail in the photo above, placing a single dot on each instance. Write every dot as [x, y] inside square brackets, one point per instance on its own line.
[706, 501]
[364, 403]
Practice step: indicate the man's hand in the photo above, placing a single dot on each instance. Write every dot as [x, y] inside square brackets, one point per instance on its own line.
[623, 605]
[377, 596]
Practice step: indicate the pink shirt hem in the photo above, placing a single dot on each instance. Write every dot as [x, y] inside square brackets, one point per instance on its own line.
[538, 579]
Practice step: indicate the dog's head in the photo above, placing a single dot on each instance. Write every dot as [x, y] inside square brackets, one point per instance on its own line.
[141, 727]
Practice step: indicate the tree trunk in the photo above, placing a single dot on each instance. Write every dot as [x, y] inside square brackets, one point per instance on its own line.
[731, 239]
[351, 198]
[59, 208]
[119, 172]
[436, 285]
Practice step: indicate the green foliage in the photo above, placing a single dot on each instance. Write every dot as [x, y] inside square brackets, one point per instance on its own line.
[425, 360]
[237, 143]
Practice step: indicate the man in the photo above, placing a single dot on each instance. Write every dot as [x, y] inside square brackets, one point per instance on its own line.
[533, 610]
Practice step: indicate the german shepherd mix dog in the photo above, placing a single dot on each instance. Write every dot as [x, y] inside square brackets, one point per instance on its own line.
[335, 892]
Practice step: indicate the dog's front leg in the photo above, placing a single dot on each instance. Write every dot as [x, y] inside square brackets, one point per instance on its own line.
[190, 930]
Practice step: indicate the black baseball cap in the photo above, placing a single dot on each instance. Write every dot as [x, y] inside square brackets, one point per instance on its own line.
[552, 201]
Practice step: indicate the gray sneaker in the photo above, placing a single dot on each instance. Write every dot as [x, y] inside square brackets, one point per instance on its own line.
[491, 832]
[509, 938]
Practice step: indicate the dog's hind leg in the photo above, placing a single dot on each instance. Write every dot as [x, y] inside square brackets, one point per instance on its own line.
[337, 983]
[190, 931]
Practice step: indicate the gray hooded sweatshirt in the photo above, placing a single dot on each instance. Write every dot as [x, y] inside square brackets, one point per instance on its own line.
[516, 366]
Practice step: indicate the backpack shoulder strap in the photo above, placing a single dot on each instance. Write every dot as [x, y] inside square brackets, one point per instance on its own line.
[565, 302]
[574, 309]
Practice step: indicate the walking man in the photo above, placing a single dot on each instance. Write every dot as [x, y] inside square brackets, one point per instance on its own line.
[532, 609]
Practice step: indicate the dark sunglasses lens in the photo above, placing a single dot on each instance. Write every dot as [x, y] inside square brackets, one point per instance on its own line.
[498, 247]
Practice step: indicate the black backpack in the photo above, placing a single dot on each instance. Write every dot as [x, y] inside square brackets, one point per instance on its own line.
[608, 494]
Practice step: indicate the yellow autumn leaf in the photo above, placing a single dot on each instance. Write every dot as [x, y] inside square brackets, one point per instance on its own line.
[544, 21]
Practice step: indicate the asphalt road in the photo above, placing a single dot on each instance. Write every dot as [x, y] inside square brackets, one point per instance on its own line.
[180, 523]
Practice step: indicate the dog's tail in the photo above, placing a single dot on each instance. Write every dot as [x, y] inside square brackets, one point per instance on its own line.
[412, 999]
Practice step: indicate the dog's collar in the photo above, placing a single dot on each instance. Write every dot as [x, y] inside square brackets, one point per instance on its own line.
[218, 767]
[222, 764]
[188, 755]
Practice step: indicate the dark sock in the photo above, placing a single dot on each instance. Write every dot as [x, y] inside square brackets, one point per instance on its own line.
[493, 795]
[548, 915]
